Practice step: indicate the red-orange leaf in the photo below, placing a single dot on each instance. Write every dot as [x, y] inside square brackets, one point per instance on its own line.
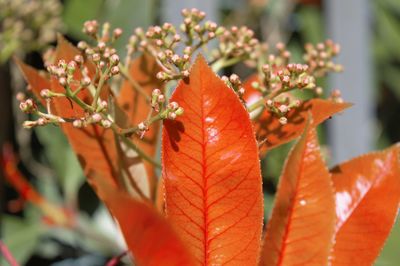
[267, 125]
[211, 172]
[143, 70]
[367, 191]
[149, 236]
[300, 231]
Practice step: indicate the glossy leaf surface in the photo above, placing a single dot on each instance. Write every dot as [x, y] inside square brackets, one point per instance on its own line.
[300, 231]
[211, 172]
[137, 106]
[267, 125]
[367, 191]
[149, 236]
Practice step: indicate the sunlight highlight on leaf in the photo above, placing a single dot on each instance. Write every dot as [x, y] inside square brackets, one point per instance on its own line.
[300, 231]
[367, 190]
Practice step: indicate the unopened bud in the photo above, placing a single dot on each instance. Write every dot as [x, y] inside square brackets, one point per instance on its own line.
[179, 111]
[172, 115]
[77, 123]
[78, 59]
[283, 120]
[234, 79]
[62, 81]
[96, 57]
[185, 73]
[96, 117]
[45, 93]
[142, 126]
[173, 106]
[115, 70]
[105, 123]
[156, 92]
[82, 45]
[41, 121]
[117, 33]
[283, 108]
[86, 81]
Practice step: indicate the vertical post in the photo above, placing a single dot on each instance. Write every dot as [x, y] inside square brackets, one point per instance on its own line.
[348, 23]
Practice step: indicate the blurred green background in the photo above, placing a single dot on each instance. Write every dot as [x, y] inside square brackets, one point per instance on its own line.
[51, 166]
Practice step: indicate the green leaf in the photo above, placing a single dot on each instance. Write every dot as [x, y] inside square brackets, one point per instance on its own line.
[312, 26]
[390, 255]
[62, 159]
[76, 12]
[21, 237]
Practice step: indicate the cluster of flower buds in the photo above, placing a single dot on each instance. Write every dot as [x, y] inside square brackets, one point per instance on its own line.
[95, 118]
[281, 105]
[162, 42]
[30, 107]
[235, 83]
[28, 25]
[319, 58]
[70, 75]
[157, 100]
[285, 78]
[196, 31]
[237, 42]
[172, 111]
[102, 54]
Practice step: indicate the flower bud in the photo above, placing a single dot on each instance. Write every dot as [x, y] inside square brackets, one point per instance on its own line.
[114, 59]
[86, 81]
[105, 123]
[77, 123]
[117, 33]
[96, 117]
[179, 111]
[115, 70]
[283, 120]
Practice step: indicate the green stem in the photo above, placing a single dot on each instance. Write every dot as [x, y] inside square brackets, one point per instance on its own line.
[148, 122]
[77, 100]
[100, 87]
[142, 154]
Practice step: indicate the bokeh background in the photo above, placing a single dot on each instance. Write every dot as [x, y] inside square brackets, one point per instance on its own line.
[369, 35]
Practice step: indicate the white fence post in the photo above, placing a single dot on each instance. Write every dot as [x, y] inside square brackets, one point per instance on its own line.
[348, 23]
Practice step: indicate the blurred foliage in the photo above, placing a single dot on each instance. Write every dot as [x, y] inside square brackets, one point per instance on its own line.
[272, 20]
[126, 15]
[28, 25]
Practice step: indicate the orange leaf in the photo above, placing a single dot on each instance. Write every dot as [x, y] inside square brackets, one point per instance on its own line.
[143, 70]
[267, 125]
[367, 191]
[300, 231]
[148, 235]
[211, 172]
